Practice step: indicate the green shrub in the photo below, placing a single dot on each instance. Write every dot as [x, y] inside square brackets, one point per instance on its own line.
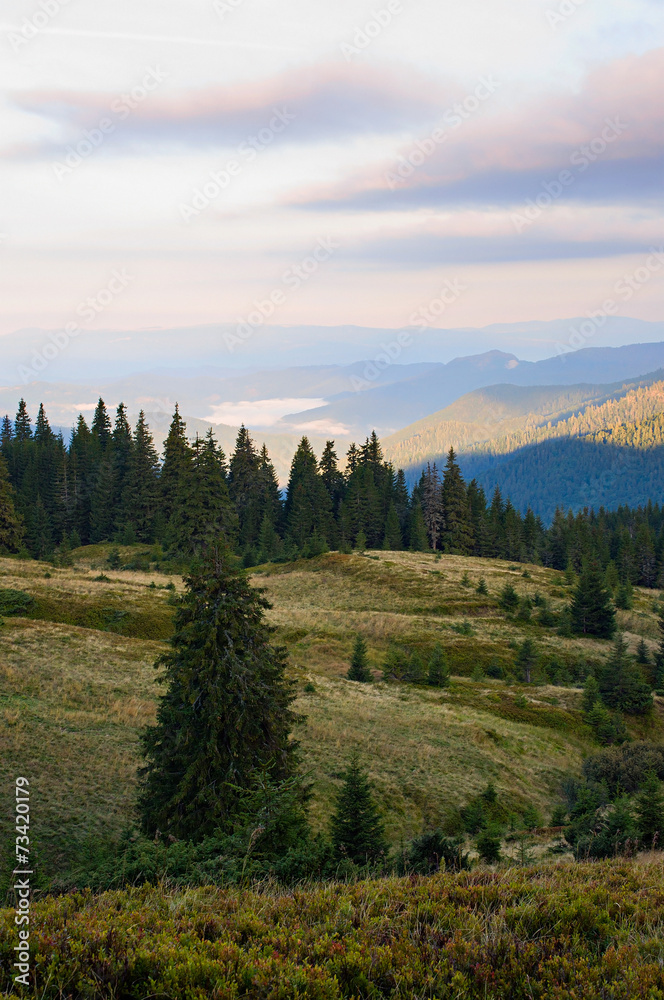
[14, 602]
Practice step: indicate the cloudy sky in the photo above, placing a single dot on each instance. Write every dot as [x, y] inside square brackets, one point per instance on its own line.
[171, 163]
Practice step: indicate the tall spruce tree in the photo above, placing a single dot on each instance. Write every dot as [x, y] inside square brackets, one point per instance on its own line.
[246, 487]
[175, 468]
[457, 534]
[140, 498]
[308, 507]
[120, 452]
[101, 427]
[357, 829]
[392, 540]
[202, 508]
[591, 610]
[432, 503]
[226, 714]
[11, 528]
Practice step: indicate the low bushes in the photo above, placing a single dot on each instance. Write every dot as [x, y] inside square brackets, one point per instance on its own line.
[590, 930]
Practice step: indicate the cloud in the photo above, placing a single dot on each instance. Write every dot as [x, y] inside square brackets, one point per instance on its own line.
[430, 250]
[500, 157]
[328, 102]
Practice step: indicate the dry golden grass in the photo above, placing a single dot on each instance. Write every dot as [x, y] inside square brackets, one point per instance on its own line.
[73, 700]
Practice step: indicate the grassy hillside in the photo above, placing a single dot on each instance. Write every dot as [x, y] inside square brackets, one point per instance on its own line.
[570, 931]
[77, 685]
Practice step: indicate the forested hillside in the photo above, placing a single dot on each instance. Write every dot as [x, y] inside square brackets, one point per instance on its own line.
[550, 446]
[109, 485]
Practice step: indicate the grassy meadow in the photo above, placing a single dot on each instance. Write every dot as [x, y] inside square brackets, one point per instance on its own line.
[77, 685]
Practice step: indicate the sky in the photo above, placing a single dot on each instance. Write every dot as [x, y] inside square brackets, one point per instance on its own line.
[167, 163]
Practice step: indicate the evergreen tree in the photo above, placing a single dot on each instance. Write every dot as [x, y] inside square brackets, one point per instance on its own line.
[432, 503]
[245, 486]
[650, 812]
[526, 660]
[202, 508]
[22, 426]
[226, 715]
[417, 671]
[591, 610]
[308, 505]
[175, 468]
[392, 541]
[6, 432]
[333, 479]
[457, 536]
[101, 428]
[141, 493]
[359, 664]
[591, 694]
[120, 452]
[417, 531]
[271, 503]
[11, 528]
[621, 685]
[357, 830]
[439, 672]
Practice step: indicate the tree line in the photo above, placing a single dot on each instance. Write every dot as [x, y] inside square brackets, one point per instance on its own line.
[108, 484]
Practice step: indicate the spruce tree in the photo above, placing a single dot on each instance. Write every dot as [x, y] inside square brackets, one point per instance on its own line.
[457, 536]
[22, 426]
[392, 541]
[175, 468]
[140, 497]
[308, 507]
[226, 714]
[357, 830]
[591, 694]
[120, 452]
[359, 664]
[417, 671]
[101, 427]
[11, 528]
[621, 683]
[417, 531]
[439, 672]
[591, 610]
[526, 660]
[333, 479]
[202, 506]
[650, 812]
[432, 503]
[245, 485]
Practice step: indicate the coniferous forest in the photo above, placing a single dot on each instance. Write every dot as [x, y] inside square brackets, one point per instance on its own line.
[109, 484]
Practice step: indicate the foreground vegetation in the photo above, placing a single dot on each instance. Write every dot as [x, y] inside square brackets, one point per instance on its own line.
[570, 931]
[77, 687]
